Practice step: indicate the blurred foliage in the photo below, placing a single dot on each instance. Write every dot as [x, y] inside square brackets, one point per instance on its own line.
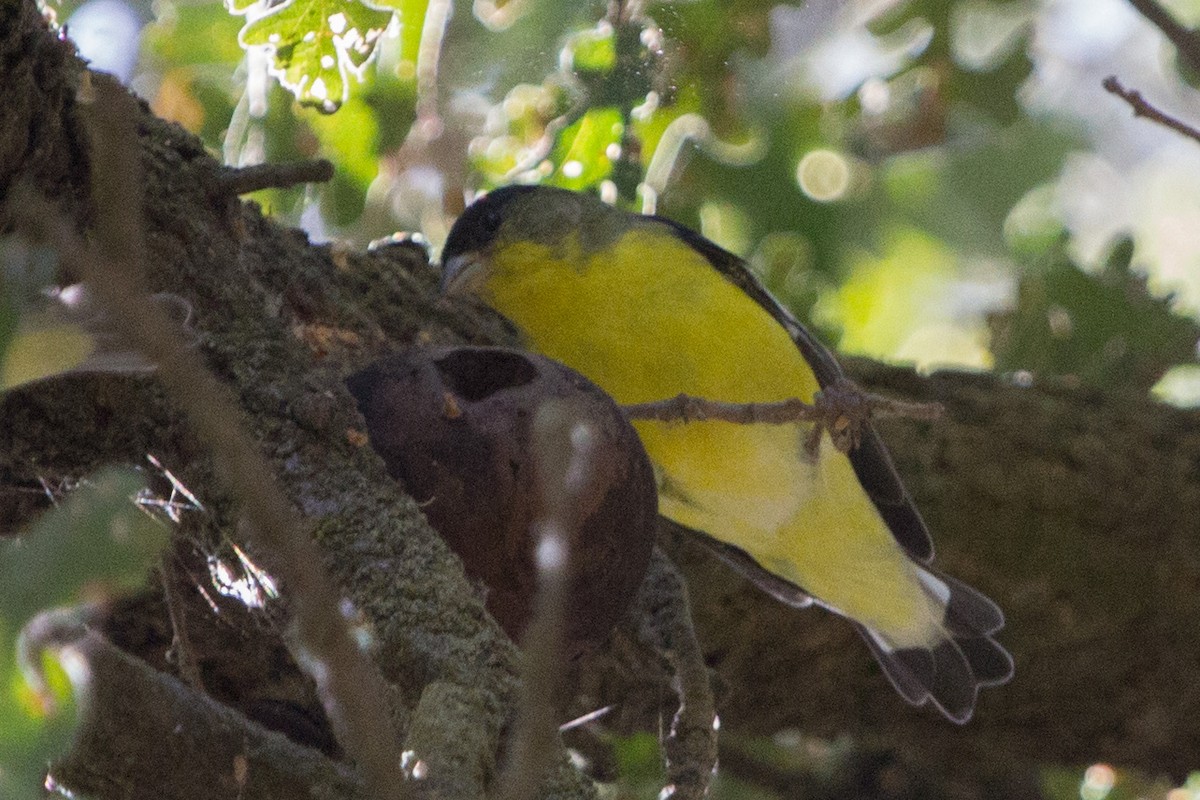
[35, 340]
[639, 765]
[1103, 329]
[791, 764]
[639, 762]
[1104, 782]
[8, 328]
[96, 543]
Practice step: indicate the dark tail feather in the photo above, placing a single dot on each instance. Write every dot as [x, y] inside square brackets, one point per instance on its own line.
[969, 613]
[949, 673]
[990, 662]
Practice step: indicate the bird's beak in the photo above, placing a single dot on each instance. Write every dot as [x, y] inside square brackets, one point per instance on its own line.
[462, 274]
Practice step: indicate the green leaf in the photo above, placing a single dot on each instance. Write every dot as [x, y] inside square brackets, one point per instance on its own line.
[349, 139]
[36, 728]
[583, 149]
[317, 46]
[639, 764]
[894, 306]
[42, 352]
[412, 27]
[35, 342]
[240, 6]
[593, 50]
[97, 540]
[199, 34]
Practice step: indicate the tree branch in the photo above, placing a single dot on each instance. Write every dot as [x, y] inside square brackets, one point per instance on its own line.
[1142, 108]
[1075, 509]
[144, 735]
[244, 180]
[690, 746]
[116, 273]
[280, 325]
[1186, 42]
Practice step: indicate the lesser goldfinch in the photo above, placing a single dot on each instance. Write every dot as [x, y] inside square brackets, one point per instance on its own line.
[648, 310]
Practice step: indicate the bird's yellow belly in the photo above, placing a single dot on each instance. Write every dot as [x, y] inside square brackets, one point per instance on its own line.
[738, 483]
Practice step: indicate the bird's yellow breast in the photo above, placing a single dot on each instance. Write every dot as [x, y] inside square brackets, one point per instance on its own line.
[688, 330]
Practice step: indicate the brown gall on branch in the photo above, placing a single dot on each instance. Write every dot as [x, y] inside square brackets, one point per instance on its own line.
[456, 428]
[841, 408]
[1142, 108]
[536, 479]
[243, 180]
[348, 682]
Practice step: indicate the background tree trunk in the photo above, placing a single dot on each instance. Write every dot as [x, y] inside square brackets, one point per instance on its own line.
[1075, 509]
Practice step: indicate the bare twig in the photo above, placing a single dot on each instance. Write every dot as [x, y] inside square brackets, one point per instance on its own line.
[1142, 108]
[1185, 40]
[273, 176]
[690, 748]
[540, 149]
[842, 409]
[181, 649]
[349, 685]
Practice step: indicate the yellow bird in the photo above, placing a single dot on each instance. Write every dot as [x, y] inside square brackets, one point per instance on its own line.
[648, 310]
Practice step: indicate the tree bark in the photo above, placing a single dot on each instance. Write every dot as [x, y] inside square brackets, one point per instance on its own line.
[1075, 509]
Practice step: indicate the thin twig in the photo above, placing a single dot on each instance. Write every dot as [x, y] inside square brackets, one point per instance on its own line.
[243, 180]
[348, 683]
[181, 644]
[690, 747]
[1142, 108]
[841, 408]
[1185, 40]
[686, 408]
[540, 149]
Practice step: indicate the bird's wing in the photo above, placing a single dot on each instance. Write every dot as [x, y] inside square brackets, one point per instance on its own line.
[870, 459]
[744, 564]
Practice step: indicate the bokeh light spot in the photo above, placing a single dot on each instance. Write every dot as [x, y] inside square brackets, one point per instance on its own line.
[823, 175]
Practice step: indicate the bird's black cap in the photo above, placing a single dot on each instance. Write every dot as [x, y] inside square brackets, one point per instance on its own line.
[478, 225]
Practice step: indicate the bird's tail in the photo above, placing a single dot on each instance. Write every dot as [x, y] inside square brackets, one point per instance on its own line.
[949, 672]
